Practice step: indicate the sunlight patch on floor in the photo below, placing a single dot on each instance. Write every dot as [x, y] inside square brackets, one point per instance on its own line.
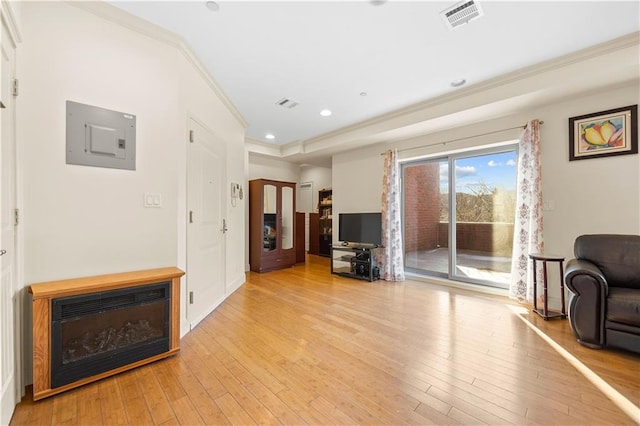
[628, 407]
[485, 275]
[477, 265]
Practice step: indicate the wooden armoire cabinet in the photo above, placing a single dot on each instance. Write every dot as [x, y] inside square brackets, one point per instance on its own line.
[272, 207]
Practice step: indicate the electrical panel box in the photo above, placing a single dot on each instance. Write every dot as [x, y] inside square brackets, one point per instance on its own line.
[100, 137]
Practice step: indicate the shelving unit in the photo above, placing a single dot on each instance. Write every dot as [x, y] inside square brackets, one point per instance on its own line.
[355, 262]
[325, 213]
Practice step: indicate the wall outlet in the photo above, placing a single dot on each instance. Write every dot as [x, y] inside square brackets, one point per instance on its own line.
[548, 205]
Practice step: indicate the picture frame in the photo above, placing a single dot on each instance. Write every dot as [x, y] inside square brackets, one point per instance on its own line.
[604, 134]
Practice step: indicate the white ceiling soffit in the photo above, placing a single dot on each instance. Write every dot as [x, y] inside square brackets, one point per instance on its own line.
[510, 94]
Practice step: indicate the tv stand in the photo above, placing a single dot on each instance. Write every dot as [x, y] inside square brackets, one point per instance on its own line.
[355, 262]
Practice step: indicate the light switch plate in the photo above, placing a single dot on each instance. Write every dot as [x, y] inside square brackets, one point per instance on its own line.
[152, 200]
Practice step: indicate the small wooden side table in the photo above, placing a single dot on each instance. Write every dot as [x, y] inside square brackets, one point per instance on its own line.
[544, 258]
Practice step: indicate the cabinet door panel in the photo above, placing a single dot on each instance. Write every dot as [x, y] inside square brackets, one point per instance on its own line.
[270, 220]
[287, 217]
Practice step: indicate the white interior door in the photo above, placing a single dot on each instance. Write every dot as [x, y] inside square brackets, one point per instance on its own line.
[206, 204]
[8, 292]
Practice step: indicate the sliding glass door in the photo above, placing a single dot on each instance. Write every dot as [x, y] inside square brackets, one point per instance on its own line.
[426, 216]
[458, 215]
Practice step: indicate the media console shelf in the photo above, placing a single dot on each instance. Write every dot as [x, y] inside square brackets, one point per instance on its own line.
[355, 262]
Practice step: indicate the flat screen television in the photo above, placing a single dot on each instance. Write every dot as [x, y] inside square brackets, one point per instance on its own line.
[360, 228]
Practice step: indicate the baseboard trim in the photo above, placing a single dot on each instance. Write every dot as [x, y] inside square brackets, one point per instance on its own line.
[235, 284]
[231, 287]
[193, 324]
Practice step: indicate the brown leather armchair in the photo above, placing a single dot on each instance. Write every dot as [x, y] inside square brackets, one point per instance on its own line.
[604, 285]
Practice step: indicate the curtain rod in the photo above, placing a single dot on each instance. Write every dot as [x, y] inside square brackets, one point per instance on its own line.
[461, 139]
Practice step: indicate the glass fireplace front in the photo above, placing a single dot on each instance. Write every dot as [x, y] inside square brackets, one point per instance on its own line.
[98, 332]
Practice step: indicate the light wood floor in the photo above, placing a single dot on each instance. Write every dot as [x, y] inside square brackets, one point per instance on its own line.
[301, 346]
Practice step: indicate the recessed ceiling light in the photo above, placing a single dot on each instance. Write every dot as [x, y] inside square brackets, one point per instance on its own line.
[325, 112]
[363, 93]
[459, 82]
[212, 6]
[269, 136]
[377, 2]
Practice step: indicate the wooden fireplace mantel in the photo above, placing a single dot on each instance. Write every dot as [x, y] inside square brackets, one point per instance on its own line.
[43, 294]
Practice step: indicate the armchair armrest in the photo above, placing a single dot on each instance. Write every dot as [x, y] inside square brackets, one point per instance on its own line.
[576, 267]
[587, 301]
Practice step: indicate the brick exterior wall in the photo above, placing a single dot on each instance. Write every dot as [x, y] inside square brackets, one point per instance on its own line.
[423, 229]
[421, 206]
[496, 237]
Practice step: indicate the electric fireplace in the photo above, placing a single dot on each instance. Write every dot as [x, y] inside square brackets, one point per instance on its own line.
[89, 328]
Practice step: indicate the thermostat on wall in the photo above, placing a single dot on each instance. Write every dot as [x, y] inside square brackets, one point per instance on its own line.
[100, 137]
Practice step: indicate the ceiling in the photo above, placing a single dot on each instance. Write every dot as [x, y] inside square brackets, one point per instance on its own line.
[365, 59]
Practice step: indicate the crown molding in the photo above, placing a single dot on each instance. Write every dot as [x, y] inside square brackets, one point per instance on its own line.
[255, 146]
[118, 16]
[9, 19]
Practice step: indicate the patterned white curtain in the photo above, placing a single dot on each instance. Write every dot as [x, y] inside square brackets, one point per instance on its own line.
[391, 263]
[527, 231]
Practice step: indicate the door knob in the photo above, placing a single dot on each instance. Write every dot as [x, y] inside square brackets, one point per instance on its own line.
[2, 252]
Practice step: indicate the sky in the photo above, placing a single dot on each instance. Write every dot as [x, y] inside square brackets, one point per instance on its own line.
[495, 170]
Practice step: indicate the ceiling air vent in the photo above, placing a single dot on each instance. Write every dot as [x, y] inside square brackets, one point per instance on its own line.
[287, 103]
[461, 13]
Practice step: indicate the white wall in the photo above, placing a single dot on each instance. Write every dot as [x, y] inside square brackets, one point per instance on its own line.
[261, 167]
[357, 183]
[321, 177]
[80, 220]
[600, 195]
[88, 220]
